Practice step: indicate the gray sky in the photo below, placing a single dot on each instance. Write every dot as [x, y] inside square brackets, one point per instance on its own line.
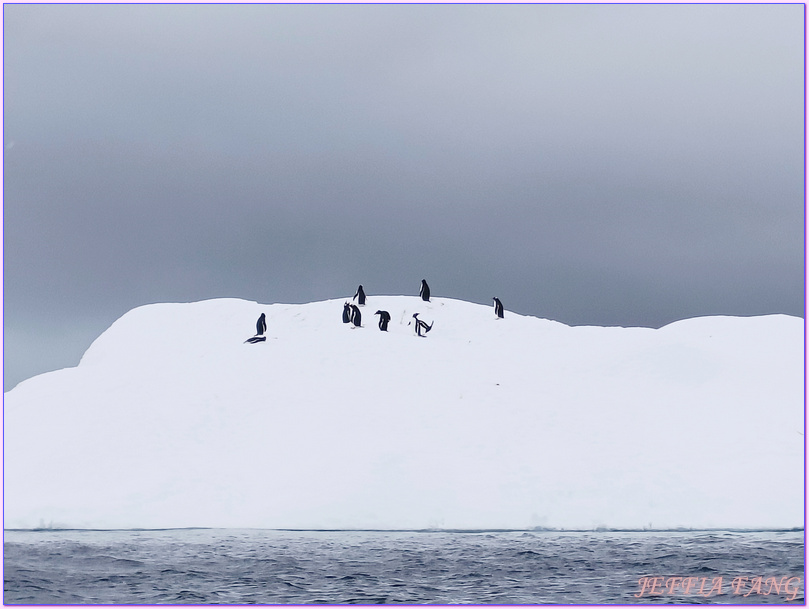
[592, 164]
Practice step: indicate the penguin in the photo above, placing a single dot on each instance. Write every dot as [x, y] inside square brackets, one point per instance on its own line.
[420, 325]
[356, 316]
[425, 291]
[498, 307]
[360, 296]
[384, 318]
[346, 313]
[261, 328]
[261, 325]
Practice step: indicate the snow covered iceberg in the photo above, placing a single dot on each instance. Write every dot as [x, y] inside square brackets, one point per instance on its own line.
[171, 420]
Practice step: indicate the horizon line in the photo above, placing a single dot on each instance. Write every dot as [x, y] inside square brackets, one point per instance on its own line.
[429, 530]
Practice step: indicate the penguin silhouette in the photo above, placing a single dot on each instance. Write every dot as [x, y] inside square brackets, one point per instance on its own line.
[356, 316]
[421, 325]
[425, 291]
[360, 296]
[498, 307]
[261, 325]
[346, 313]
[261, 328]
[384, 318]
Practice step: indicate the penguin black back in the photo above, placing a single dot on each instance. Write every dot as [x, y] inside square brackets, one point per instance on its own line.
[346, 313]
[498, 307]
[360, 295]
[356, 316]
[384, 318]
[261, 325]
[425, 291]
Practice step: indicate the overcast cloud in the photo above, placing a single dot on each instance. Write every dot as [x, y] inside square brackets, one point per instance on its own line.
[592, 164]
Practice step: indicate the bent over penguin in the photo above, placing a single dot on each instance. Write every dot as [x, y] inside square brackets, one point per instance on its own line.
[421, 326]
[384, 318]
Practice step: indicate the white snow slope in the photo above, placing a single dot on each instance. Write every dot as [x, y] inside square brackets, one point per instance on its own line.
[170, 420]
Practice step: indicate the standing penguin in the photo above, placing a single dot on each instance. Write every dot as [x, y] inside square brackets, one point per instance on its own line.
[360, 296]
[346, 313]
[498, 307]
[425, 291]
[261, 328]
[421, 325]
[356, 316]
[384, 318]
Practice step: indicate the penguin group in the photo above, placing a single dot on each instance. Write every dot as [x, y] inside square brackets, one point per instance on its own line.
[353, 316]
[351, 313]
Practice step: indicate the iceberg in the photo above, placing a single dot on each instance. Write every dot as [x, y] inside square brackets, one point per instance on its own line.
[172, 420]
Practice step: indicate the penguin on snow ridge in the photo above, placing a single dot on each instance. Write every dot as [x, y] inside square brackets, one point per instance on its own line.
[384, 318]
[424, 292]
[360, 296]
[261, 328]
[498, 307]
[421, 325]
[356, 316]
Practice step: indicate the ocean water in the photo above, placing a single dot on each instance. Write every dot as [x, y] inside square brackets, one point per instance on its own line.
[225, 566]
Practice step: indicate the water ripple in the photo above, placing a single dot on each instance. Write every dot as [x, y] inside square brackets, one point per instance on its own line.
[286, 567]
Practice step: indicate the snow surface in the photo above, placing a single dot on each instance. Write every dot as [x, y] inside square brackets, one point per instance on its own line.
[170, 420]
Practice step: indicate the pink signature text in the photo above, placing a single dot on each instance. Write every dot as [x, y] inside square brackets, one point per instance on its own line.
[788, 586]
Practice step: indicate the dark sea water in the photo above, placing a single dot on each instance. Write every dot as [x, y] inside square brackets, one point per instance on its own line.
[200, 566]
